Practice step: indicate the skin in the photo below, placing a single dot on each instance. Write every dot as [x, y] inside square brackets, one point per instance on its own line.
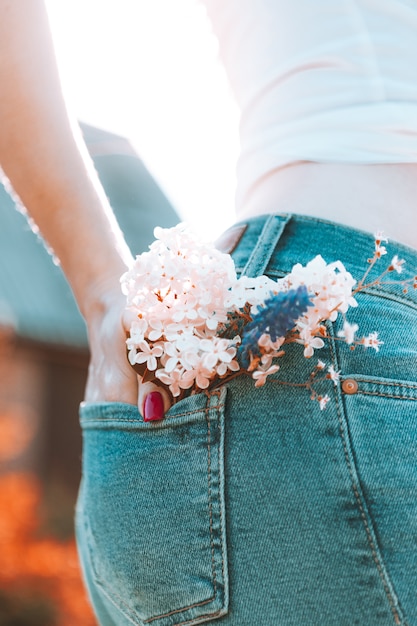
[369, 197]
[45, 159]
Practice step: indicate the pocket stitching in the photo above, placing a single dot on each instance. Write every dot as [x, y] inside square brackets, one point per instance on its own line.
[87, 422]
[213, 569]
[385, 395]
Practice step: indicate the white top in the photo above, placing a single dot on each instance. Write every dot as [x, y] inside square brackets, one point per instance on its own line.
[330, 81]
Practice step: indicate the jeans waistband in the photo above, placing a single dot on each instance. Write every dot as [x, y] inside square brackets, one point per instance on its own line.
[273, 244]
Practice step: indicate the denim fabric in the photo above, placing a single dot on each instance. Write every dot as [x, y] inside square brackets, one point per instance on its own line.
[252, 506]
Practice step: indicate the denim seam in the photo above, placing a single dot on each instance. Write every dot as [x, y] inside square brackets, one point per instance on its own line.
[196, 620]
[86, 421]
[122, 607]
[384, 395]
[376, 381]
[218, 613]
[361, 502]
[207, 410]
[266, 244]
[217, 393]
[124, 610]
[390, 295]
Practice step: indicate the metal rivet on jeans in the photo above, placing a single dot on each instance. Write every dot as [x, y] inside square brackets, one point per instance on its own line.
[350, 386]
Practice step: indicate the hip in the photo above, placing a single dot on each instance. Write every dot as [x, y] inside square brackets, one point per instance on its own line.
[369, 197]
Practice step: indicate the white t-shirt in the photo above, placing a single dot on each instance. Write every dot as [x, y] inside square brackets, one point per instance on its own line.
[331, 81]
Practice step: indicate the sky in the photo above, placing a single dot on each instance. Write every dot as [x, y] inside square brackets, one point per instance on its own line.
[149, 70]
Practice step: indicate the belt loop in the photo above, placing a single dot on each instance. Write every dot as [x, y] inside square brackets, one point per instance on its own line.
[265, 246]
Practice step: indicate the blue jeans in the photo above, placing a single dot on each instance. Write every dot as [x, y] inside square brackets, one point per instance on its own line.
[252, 506]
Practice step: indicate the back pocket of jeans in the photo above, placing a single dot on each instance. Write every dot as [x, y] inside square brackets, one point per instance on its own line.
[153, 509]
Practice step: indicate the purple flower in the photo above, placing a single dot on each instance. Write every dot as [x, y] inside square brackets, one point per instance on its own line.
[276, 317]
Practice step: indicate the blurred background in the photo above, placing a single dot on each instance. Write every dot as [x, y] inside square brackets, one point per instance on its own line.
[154, 106]
[149, 70]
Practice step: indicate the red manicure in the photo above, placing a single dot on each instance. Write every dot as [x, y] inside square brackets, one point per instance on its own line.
[153, 407]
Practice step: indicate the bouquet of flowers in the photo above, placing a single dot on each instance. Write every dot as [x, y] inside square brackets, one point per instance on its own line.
[197, 325]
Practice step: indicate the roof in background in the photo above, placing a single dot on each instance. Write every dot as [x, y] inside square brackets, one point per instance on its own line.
[34, 295]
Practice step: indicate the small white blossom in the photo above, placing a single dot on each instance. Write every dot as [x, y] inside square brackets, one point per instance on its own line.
[250, 291]
[310, 342]
[372, 341]
[199, 375]
[157, 329]
[138, 329]
[260, 375]
[268, 345]
[148, 354]
[323, 401]
[216, 350]
[172, 379]
[223, 368]
[348, 332]
[332, 374]
[380, 251]
[379, 237]
[397, 264]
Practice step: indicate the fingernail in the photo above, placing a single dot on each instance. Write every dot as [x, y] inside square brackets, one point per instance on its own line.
[153, 407]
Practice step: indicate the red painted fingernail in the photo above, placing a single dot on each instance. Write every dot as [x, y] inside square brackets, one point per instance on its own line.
[153, 407]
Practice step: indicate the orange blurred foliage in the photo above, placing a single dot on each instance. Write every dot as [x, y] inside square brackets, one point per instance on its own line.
[43, 565]
[16, 429]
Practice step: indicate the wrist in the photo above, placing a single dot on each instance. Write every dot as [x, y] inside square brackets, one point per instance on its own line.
[101, 297]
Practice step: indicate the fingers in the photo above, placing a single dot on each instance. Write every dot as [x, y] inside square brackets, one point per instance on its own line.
[153, 401]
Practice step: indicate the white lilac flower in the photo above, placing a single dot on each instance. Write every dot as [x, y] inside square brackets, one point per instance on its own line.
[216, 350]
[379, 237]
[171, 379]
[333, 374]
[311, 344]
[379, 250]
[223, 368]
[267, 344]
[185, 307]
[348, 332]
[199, 375]
[323, 401]
[138, 329]
[372, 341]
[148, 354]
[131, 355]
[253, 291]
[396, 264]
[307, 338]
[261, 375]
[156, 329]
[171, 356]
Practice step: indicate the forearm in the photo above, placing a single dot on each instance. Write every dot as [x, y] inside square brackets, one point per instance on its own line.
[47, 163]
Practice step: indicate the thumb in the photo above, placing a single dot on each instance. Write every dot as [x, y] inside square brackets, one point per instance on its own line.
[153, 401]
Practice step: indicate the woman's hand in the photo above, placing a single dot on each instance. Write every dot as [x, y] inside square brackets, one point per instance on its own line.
[111, 378]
